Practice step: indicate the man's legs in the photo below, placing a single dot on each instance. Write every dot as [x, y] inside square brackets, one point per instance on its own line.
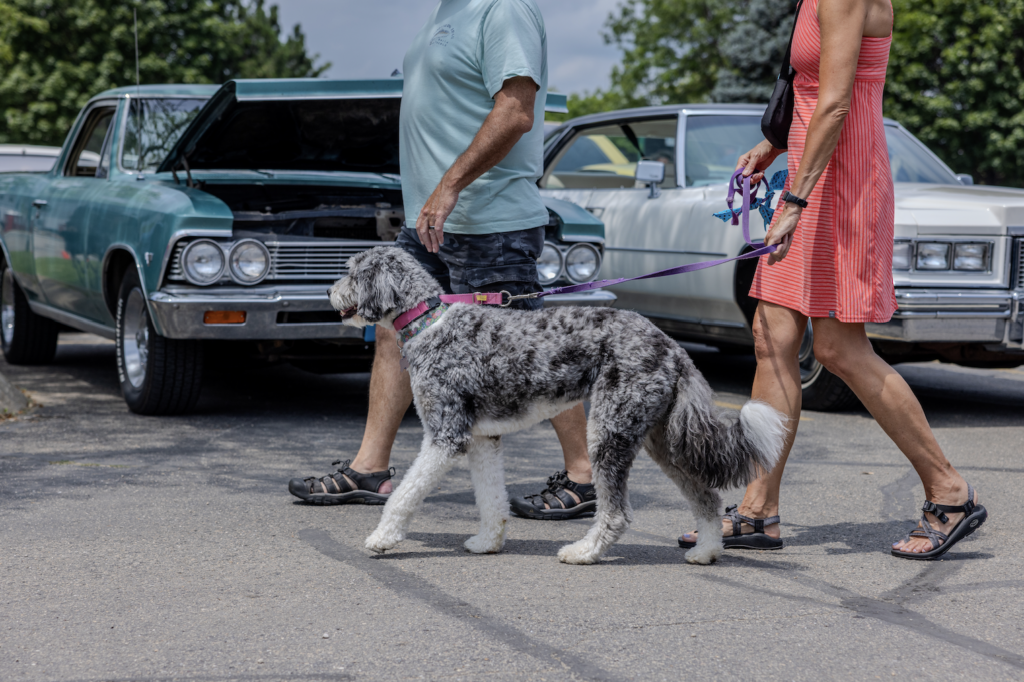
[390, 397]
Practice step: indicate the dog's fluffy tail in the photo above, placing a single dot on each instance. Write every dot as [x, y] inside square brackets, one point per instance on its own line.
[719, 449]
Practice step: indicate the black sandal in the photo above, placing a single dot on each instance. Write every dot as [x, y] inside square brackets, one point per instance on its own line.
[336, 489]
[974, 516]
[561, 505]
[756, 540]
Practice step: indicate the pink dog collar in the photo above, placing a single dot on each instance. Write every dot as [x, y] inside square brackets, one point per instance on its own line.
[403, 320]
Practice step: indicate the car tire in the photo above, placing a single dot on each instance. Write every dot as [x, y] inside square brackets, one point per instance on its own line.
[823, 391]
[26, 338]
[159, 376]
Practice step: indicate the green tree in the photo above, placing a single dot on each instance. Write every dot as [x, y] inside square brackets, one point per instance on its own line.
[752, 50]
[62, 52]
[956, 80]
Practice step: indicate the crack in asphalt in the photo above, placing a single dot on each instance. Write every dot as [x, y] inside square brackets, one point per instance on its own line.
[410, 585]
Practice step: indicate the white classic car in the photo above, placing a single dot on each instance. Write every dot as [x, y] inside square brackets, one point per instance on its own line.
[958, 262]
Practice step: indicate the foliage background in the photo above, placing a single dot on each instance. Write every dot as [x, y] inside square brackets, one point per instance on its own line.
[955, 78]
[56, 54]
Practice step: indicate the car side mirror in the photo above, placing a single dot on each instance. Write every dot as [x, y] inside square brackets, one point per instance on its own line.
[965, 178]
[652, 173]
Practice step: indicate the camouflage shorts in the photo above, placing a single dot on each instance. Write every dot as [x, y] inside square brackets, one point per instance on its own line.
[469, 263]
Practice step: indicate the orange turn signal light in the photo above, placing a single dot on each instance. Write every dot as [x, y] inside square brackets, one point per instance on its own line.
[224, 317]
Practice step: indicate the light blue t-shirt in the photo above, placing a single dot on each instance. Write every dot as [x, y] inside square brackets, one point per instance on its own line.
[457, 62]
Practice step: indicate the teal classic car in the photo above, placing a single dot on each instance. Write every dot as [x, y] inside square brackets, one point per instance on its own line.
[177, 215]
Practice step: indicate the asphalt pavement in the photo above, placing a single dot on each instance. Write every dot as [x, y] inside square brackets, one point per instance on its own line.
[136, 548]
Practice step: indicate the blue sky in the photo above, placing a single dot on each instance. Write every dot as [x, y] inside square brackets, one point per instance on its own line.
[368, 38]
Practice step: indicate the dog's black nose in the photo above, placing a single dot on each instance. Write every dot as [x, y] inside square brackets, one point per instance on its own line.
[328, 292]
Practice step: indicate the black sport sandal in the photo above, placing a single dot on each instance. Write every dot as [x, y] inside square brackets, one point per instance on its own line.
[561, 505]
[336, 489]
[756, 540]
[974, 516]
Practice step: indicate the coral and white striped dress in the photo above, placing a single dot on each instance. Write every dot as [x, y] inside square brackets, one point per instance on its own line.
[840, 262]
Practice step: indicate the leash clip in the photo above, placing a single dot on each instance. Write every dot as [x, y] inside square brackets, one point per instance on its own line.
[517, 297]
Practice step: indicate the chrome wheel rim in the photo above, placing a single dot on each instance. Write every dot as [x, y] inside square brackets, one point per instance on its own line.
[809, 367]
[7, 306]
[135, 338]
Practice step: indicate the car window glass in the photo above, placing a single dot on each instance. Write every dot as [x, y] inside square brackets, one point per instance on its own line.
[85, 156]
[162, 121]
[714, 144]
[23, 163]
[910, 162]
[605, 157]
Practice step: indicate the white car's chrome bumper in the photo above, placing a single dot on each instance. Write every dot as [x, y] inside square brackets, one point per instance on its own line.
[279, 313]
[989, 316]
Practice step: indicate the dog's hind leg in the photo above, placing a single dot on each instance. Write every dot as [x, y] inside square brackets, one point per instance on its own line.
[430, 465]
[611, 454]
[487, 470]
[705, 502]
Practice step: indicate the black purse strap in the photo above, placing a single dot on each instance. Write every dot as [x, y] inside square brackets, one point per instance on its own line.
[788, 71]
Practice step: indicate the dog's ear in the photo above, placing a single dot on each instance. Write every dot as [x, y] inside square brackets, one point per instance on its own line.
[377, 290]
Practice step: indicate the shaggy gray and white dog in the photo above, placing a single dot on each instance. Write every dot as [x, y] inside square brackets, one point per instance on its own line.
[480, 372]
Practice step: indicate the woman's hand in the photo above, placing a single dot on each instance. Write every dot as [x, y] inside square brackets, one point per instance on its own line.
[757, 160]
[781, 232]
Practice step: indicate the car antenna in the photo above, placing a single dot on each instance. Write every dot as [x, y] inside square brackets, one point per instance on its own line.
[138, 95]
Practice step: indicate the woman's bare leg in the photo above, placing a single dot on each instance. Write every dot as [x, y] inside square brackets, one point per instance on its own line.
[844, 349]
[778, 332]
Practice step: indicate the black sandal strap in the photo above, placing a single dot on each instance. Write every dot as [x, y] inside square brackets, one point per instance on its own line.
[733, 515]
[559, 487]
[370, 482]
[940, 510]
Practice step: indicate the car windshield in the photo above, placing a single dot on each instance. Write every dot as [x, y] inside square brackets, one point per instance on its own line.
[162, 121]
[23, 163]
[911, 162]
[715, 142]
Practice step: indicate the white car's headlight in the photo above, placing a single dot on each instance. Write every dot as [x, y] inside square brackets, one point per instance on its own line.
[582, 262]
[249, 261]
[202, 262]
[932, 256]
[549, 265]
[902, 255]
[970, 256]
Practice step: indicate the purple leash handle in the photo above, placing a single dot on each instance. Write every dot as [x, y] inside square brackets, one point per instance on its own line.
[737, 183]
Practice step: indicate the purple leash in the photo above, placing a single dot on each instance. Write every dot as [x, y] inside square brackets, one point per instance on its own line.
[735, 185]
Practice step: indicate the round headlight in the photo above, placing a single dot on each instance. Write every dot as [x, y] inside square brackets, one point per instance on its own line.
[249, 261]
[582, 263]
[202, 262]
[549, 264]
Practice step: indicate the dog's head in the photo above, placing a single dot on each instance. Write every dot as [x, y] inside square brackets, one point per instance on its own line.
[382, 283]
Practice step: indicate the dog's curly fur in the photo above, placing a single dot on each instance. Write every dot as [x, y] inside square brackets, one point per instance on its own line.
[481, 371]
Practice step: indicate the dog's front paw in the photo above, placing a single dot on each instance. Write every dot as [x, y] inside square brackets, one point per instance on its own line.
[381, 542]
[703, 555]
[479, 544]
[580, 553]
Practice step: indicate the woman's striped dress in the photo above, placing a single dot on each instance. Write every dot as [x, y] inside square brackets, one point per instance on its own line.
[840, 262]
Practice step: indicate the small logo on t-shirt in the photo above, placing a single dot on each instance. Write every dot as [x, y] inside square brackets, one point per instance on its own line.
[442, 35]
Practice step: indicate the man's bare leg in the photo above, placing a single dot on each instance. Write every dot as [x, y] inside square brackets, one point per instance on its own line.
[390, 397]
[571, 429]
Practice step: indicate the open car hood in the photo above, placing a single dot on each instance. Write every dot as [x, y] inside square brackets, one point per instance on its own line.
[295, 124]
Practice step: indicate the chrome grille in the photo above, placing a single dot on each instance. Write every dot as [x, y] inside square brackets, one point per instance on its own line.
[311, 260]
[1020, 263]
[294, 260]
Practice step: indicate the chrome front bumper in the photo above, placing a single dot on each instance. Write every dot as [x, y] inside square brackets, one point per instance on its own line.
[279, 312]
[994, 317]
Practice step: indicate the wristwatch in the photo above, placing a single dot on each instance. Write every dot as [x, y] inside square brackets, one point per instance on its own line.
[791, 198]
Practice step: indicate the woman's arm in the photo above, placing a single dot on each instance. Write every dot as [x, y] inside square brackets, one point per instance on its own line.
[842, 26]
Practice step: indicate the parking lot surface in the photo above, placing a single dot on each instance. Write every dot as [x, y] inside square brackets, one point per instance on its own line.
[137, 548]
